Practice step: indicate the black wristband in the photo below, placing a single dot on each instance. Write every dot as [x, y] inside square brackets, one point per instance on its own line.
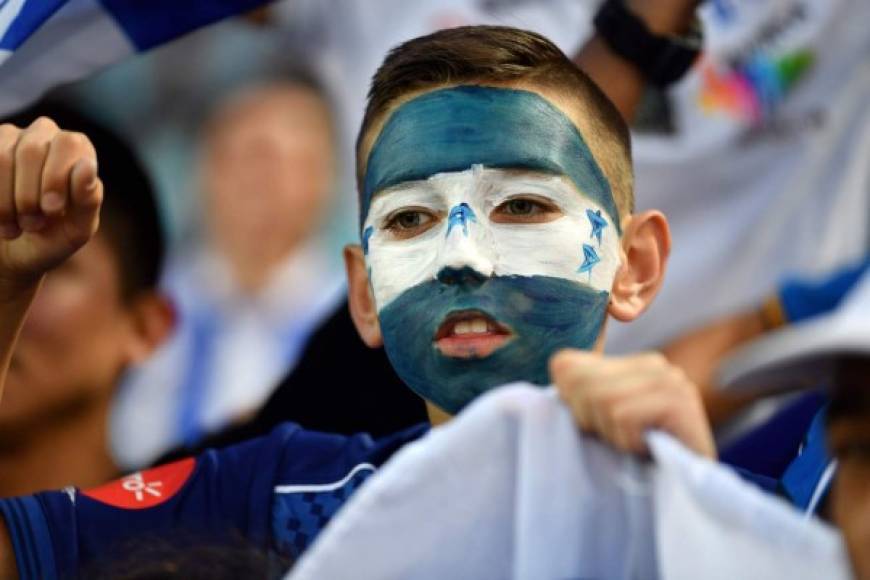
[662, 60]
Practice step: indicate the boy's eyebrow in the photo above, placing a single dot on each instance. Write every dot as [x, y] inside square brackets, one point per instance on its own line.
[519, 178]
[494, 127]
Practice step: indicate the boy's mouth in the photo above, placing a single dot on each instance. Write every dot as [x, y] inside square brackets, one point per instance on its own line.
[470, 334]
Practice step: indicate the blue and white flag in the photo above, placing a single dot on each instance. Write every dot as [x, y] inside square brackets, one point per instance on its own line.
[44, 43]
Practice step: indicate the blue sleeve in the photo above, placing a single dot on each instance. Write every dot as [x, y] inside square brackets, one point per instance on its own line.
[220, 495]
[316, 485]
[802, 299]
[31, 541]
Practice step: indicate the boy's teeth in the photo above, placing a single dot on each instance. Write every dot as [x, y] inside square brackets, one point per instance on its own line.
[473, 326]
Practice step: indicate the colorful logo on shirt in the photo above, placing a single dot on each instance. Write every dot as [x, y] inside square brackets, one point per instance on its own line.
[748, 82]
[752, 90]
[145, 489]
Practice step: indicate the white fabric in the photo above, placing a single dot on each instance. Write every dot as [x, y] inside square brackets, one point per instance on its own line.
[75, 41]
[711, 524]
[45, 43]
[752, 200]
[509, 489]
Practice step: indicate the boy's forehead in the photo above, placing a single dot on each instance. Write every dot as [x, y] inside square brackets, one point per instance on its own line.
[452, 129]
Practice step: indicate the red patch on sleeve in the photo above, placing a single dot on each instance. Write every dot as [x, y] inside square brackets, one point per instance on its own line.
[145, 489]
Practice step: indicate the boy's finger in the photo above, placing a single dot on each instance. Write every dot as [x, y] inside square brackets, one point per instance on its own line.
[670, 411]
[580, 369]
[633, 417]
[30, 156]
[8, 140]
[581, 413]
[65, 149]
[86, 195]
[571, 368]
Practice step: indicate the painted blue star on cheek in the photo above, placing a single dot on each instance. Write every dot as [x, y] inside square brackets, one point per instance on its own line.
[597, 222]
[365, 239]
[590, 258]
[460, 215]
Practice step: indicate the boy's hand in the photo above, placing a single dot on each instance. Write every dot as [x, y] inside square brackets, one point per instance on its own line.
[50, 198]
[620, 398]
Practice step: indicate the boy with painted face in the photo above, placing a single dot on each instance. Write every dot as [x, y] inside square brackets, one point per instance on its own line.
[495, 186]
[495, 206]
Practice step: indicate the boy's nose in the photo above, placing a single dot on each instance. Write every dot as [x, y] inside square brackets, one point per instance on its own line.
[465, 255]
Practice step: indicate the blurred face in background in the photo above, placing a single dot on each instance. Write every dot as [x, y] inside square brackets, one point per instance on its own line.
[73, 346]
[267, 175]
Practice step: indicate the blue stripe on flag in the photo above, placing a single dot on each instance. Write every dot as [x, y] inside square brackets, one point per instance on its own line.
[154, 22]
[31, 16]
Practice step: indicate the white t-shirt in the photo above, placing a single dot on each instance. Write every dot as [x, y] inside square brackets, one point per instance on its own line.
[510, 489]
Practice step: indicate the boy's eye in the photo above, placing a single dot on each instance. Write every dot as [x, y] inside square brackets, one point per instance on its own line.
[527, 210]
[520, 207]
[408, 223]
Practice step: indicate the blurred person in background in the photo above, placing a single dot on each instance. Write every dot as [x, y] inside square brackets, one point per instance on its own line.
[759, 158]
[827, 351]
[96, 315]
[256, 282]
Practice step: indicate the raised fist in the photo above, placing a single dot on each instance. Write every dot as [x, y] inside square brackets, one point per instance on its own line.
[50, 198]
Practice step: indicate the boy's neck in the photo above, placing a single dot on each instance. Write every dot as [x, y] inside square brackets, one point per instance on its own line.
[436, 415]
[57, 452]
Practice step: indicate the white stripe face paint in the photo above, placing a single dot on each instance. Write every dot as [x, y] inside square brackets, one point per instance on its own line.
[580, 244]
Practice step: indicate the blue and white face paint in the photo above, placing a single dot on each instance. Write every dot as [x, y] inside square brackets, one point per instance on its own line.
[479, 274]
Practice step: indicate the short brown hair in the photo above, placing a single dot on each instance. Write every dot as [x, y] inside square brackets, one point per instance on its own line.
[500, 55]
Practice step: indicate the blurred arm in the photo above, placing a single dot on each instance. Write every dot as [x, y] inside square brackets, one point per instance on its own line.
[700, 352]
[620, 80]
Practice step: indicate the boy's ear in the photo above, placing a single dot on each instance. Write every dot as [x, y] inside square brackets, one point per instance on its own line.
[152, 318]
[359, 296]
[646, 244]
